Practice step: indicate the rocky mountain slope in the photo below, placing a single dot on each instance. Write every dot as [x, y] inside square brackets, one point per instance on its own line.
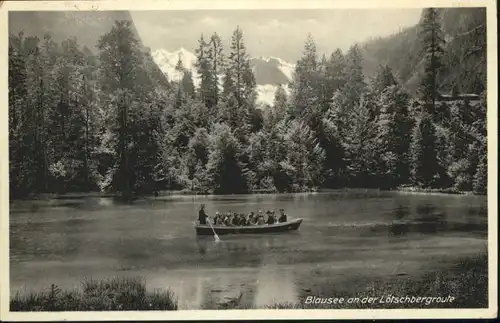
[464, 55]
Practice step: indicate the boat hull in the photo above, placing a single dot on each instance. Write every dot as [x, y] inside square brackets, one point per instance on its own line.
[251, 229]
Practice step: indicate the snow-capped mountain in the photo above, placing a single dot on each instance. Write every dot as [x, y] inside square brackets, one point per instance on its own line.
[269, 71]
[168, 60]
[274, 62]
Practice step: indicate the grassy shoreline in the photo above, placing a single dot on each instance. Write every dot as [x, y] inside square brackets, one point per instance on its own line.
[110, 294]
[438, 191]
[466, 280]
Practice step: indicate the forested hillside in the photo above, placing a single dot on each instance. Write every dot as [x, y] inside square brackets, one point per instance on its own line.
[83, 120]
[86, 26]
[464, 30]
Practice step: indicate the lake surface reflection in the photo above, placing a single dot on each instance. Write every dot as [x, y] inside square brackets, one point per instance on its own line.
[344, 237]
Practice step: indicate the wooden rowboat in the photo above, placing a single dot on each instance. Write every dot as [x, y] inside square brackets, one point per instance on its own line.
[206, 229]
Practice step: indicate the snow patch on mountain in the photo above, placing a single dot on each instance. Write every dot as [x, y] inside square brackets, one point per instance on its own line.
[285, 67]
[167, 62]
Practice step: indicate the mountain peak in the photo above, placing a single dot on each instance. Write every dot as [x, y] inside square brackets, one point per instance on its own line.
[269, 71]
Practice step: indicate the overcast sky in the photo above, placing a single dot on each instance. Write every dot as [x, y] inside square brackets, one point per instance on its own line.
[278, 33]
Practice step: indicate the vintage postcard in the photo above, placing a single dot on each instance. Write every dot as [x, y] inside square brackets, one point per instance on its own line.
[248, 159]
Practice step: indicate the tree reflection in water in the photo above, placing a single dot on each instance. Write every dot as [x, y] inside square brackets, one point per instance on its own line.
[400, 226]
[262, 282]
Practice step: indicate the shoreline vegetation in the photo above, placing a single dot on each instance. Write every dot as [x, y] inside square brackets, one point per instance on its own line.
[74, 127]
[163, 193]
[466, 280]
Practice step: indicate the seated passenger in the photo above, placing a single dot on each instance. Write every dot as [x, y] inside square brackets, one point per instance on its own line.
[270, 218]
[236, 219]
[283, 217]
[260, 219]
[250, 220]
[219, 220]
[275, 217]
[243, 220]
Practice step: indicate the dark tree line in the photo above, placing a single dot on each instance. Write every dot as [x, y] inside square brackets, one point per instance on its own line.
[80, 121]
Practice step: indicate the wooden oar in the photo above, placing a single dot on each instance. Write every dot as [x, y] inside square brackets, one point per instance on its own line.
[216, 237]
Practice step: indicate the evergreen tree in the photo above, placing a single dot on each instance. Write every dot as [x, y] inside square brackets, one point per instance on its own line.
[425, 167]
[41, 99]
[179, 66]
[216, 62]
[359, 146]
[345, 126]
[480, 181]
[23, 172]
[279, 110]
[228, 87]
[225, 171]
[121, 66]
[395, 127]
[71, 121]
[354, 86]
[479, 133]
[432, 39]
[304, 157]
[18, 124]
[204, 73]
[240, 84]
[229, 114]
[196, 160]
[384, 79]
[185, 86]
[242, 77]
[303, 86]
[188, 85]
[79, 121]
[334, 78]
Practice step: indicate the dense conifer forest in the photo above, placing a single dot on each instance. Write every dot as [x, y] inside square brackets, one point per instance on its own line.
[104, 120]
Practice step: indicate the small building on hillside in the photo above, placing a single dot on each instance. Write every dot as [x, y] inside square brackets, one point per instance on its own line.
[458, 97]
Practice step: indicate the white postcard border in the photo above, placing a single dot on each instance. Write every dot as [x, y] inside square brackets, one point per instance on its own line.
[492, 117]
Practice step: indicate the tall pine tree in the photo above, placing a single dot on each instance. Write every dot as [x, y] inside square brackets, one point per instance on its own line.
[216, 63]
[303, 85]
[240, 83]
[121, 68]
[204, 73]
[432, 39]
[425, 167]
[354, 86]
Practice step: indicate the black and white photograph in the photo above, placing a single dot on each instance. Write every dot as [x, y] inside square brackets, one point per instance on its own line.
[239, 160]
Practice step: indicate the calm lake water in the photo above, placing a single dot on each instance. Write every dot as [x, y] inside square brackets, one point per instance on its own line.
[346, 239]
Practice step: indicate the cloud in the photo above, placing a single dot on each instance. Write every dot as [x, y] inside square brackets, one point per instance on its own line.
[273, 24]
[211, 21]
[310, 21]
[278, 33]
[177, 21]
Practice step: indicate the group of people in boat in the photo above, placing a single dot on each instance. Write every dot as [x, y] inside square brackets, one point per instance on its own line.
[242, 219]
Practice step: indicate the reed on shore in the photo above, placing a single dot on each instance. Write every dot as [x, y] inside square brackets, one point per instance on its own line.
[110, 294]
